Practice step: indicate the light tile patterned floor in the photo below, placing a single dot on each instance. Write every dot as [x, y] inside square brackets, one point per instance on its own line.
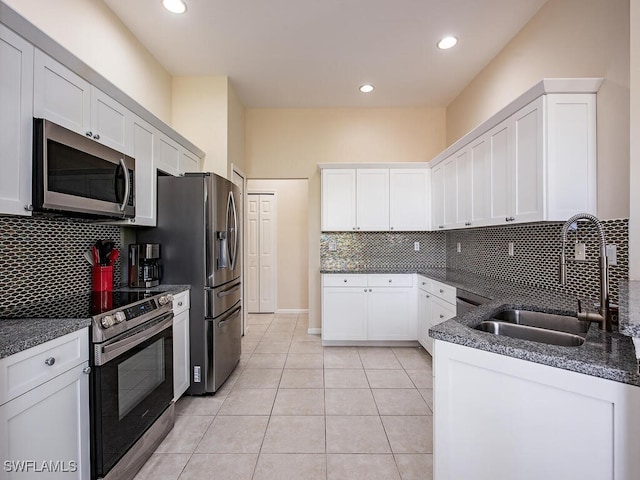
[294, 409]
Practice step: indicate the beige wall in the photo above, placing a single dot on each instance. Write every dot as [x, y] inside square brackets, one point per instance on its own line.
[293, 258]
[95, 35]
[200, 113]
[289, 143]
[566, 38]
[634, 221]
[236, 133]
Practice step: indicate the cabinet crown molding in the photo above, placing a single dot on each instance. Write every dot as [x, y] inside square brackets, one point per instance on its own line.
[322, 166]
[543, 87]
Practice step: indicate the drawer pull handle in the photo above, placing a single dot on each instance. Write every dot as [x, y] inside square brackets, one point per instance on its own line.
[365, 290]
[50, 361]
[427, 296]
[441, 291]
[390, 280]
[424, 283]
[370, 290]
[345, 280]
[86, 370]
[441, 316]
[179, 304]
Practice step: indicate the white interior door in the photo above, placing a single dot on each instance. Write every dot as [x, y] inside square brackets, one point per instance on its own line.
[261, 253]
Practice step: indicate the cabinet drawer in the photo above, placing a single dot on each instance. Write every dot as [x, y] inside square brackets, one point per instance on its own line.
[425, 284]
[348, 280]
[441, 311]
[445, 292]
[390, 280]
[26, 370]
[180, 302]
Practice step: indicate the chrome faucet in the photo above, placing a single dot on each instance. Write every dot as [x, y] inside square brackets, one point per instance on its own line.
[603, 317]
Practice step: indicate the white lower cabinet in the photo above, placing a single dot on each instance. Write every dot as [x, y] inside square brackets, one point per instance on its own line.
[181, 355]
[436, 304]
[369, 307]
[501, 417]
[44, 432]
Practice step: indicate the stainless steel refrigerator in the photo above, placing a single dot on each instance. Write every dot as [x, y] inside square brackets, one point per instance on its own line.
[198, 230]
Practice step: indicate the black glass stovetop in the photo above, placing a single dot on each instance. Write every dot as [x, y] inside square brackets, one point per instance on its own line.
[83, 305]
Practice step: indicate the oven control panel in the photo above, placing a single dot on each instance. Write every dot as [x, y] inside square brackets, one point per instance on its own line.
[140, 309]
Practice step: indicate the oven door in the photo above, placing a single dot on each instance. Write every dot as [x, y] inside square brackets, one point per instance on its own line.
[74, 173]
[132, 385]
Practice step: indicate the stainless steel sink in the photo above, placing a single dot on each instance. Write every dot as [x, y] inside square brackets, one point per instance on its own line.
[537, 327]
[550, 321]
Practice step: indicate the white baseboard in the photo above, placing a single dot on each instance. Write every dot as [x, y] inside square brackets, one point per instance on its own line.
[292, 310]
[314, 331]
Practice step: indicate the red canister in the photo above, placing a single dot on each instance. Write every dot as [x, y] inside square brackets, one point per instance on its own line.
[102, 278]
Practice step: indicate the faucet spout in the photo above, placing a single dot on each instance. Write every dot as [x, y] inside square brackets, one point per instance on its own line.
[604, 314]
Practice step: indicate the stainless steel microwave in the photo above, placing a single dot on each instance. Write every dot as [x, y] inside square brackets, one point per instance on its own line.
[76, 176]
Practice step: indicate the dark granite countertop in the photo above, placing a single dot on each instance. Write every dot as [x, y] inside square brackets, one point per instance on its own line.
[605, 355]
[629, 299]
[17, 335]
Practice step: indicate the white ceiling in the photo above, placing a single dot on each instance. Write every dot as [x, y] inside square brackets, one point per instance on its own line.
[316, 53]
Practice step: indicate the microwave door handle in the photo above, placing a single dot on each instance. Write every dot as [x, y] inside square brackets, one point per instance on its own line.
[126, 185]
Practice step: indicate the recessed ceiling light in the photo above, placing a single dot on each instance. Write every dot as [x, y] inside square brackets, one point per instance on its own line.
[447, 42]
[367, 88]
[175, 6]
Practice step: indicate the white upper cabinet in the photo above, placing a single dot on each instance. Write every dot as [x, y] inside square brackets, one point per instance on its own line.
[338, 199]
[144, 144]
[539, 164]
[372, 199]
[70, 101]
[189, 162]
[16, 122]
[167, 155]
[375, 199]
[409, 206]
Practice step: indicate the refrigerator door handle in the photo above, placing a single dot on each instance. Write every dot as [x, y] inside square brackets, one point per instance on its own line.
[223, 250]
[232, 230]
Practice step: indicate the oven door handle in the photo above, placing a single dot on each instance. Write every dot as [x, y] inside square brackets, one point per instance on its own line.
[113, 350]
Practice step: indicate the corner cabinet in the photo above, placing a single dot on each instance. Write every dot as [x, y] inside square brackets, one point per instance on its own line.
[181, 356]
[371, 198]
[16, 122]
[541, 421]
[44, 409]
[537, 165]
[368, 307]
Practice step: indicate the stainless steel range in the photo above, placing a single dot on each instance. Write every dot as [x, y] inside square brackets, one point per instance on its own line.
[131, 382]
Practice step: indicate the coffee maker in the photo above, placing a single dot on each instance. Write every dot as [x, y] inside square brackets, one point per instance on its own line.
[144, 265]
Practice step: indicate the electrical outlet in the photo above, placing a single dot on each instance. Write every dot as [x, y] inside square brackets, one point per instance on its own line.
[612, 254]
[511, 249]
[580, 251]
[333, 245]
[459, 248]
[416, 246]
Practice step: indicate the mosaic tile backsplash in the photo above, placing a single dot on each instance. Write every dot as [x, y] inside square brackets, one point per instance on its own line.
[382, 251]
[42, 258]
[484, 251]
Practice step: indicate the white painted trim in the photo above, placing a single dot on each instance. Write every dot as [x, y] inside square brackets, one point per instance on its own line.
[314, 331]
[374, 165]
[285, 311]
[543, 87]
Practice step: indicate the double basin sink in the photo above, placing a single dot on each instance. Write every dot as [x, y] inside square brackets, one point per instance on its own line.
[539, 327]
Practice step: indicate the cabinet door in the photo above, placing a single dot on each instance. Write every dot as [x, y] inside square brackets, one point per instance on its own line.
[48, 424]
[188, 162]
[499, 165]
[527, 166]
[16, 122]
[344, 313]
[450, 192]
[338, 200]
[111, 123]
[437, 196]
[60, 95]
[167, 154]
[181, 358]
[392, 314]
[479, 182]
[409, 206]
[463, 172]
[372, 199]
[424, 320]
[441, 311]
[146, 175]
